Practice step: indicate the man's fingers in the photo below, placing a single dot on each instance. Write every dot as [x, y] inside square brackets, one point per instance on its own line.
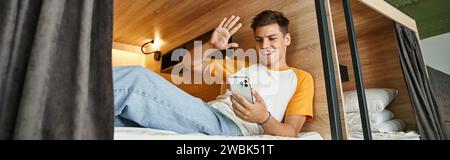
[242, 100]
[258, 97]
[222, 23]
[235, 29]
[238, 106]
[228, 21]
[233, 22]
[240, 115]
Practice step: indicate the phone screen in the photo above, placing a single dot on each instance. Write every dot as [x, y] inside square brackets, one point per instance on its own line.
[241, 85]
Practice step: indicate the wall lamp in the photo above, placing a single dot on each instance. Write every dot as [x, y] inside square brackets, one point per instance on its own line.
[157, 54]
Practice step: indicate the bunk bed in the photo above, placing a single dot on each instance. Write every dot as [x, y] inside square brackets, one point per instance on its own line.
[365, 42]
[321, 43]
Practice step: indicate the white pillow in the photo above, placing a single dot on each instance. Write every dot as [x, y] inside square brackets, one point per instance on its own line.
[355, 118]
[377, 99]
[390, 126]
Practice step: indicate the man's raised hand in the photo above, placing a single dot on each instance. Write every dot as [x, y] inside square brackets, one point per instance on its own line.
[224, 31]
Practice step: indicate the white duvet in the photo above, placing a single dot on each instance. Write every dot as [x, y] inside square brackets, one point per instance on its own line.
[410, 135]
[130, 133]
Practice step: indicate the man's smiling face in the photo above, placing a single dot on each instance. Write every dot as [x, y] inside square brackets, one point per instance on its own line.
[271, 44]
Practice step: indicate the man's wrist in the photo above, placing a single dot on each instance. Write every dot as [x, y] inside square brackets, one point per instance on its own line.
[266, 119]
[208, 45]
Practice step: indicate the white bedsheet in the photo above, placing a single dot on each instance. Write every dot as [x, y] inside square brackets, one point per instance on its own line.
[130, 133]
[411, 135]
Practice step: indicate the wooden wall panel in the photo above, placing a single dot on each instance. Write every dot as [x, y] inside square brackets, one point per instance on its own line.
[378, 55]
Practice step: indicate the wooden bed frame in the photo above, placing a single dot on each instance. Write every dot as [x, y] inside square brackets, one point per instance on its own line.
[378, 50]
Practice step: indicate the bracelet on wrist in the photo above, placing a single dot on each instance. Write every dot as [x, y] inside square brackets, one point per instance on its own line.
[266, 120]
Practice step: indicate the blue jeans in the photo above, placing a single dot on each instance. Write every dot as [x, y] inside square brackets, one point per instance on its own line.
[144, 99]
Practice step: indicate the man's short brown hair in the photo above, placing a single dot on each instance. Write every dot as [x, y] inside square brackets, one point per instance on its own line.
[269, 17]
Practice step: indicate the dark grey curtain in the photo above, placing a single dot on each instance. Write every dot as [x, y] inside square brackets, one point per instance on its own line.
[428, 114]
[55, 67]
[440, 82]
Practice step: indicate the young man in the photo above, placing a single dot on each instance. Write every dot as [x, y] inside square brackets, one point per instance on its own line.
[282, 103]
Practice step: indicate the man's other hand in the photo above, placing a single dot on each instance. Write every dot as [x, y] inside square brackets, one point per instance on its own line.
[254, 113]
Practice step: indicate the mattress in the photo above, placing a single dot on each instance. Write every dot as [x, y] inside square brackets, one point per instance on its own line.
[131, 133]
[410, 135]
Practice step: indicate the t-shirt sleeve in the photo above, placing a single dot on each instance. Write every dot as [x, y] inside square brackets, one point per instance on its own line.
[301, 102]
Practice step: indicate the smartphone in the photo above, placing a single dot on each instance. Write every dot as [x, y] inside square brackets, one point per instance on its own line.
[241, 85]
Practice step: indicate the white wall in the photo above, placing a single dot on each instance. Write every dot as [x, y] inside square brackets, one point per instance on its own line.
[436, 52]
